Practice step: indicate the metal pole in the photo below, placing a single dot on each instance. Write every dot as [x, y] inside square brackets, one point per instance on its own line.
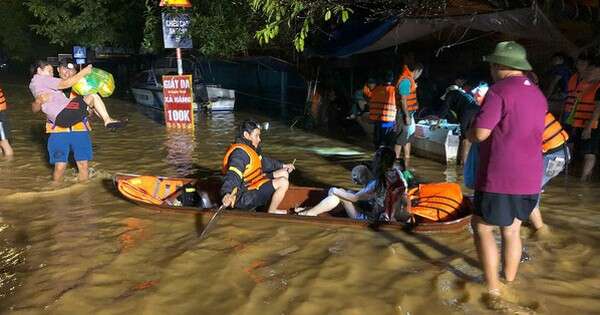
[179, 64]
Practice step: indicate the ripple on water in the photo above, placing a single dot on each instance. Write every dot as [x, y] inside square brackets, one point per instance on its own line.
[81, 249]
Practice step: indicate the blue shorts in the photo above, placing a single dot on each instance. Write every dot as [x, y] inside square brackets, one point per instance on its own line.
[554, 164]
[60, 144]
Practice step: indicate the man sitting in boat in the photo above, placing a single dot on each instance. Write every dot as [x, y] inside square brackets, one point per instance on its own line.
[258, 178]
[374, 201]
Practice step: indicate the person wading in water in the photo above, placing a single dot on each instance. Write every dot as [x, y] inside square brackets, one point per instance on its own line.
[509, 128]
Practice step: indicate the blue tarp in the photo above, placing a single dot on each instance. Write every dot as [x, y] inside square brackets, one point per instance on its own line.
[353, 37]
[357, 38]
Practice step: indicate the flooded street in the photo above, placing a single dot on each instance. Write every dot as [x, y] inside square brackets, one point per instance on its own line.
[81, 249]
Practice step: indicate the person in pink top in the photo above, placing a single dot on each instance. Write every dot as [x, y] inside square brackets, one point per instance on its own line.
[59, 109]
[509, 129]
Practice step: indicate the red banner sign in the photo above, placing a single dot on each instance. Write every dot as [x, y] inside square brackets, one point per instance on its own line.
[178, 101]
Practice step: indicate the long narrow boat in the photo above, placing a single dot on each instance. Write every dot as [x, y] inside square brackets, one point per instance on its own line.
[166, 190]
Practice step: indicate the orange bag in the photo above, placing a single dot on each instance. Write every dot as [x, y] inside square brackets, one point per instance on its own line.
[436, 201]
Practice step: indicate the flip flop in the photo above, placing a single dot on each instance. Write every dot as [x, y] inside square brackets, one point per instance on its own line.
[113, 126]
[300, 209]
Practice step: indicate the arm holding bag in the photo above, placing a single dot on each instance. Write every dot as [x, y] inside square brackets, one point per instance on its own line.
[99, 81]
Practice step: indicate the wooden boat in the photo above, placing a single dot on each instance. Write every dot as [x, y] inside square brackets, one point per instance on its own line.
[295, 197]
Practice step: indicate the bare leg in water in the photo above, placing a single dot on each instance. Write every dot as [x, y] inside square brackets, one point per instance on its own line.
[6, 148]
[488, 251]
[59, 171]
[97, 105]
[83, 168]
[513, 249]
[535, 218]
[399, 149]
[589, 160]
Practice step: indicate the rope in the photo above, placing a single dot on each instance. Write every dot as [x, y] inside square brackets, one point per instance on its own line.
[462, 42]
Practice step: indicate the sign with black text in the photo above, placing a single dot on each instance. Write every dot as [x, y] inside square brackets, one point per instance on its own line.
[178, 101]
[176, 30]
[79, 54]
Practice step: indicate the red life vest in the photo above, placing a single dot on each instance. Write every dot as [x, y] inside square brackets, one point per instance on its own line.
[253, 176]
[382, 104]
[580, 102]
[411, 102]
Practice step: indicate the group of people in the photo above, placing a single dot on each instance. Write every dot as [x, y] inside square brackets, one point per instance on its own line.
[520, 144]
[253, 181]
[391, 107]
[521, 147]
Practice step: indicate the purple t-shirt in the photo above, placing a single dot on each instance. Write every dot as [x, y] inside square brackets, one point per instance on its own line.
[511, 159]
[41, 84]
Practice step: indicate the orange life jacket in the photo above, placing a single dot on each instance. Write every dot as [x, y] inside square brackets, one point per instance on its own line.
[580, 102]
[554, 134]
[436, 201]
[149, 189]
[2, 101]
[411, 102]
[80, 126]
[253, 176]
[382, 104]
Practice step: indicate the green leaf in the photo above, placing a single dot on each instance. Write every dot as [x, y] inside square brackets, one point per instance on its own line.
[328, 15]
[344, 16]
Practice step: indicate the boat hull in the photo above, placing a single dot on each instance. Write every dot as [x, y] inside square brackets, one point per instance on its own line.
[298, 197]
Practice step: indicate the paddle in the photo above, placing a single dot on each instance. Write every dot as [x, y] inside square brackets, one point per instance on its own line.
[213, 220]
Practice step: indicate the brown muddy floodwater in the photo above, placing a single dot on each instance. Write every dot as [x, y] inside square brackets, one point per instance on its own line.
[81, 249]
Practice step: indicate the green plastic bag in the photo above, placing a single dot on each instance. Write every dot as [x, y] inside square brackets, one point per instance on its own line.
[99, 81]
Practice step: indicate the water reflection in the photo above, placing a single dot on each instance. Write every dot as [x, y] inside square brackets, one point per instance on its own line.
[180, 145]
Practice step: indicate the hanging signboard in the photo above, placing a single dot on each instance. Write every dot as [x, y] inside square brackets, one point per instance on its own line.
[176, 3]
[79, 54]
[178, 99]
[176, 30]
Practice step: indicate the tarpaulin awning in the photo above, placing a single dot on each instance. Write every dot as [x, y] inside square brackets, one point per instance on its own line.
[524, 23]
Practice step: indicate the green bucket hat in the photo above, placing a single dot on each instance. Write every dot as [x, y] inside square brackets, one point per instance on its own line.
[509, 54]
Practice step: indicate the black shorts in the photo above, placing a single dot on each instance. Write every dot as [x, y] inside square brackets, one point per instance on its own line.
[502, 209]
[74, 113]
[382, 136]
[4, 127]
[587, 146]
[251, 199]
